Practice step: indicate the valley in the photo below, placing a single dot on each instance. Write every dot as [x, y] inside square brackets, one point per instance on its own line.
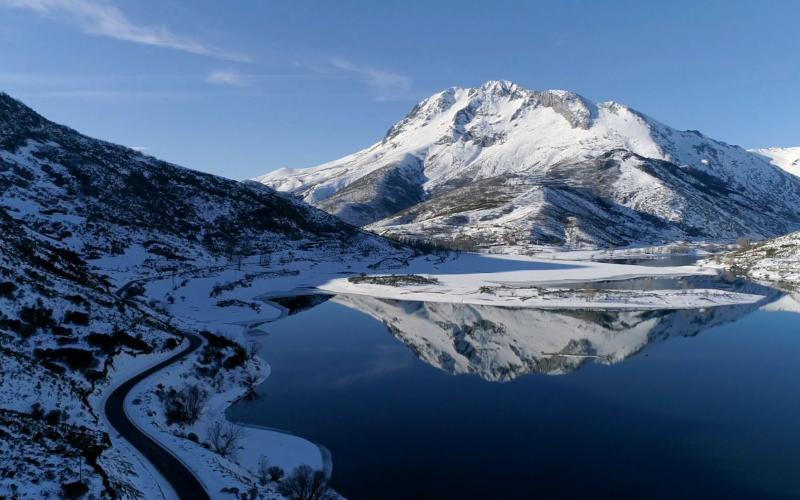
[138, 299]
[399, 250]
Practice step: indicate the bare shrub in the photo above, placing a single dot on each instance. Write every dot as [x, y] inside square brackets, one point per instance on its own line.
[250, 382]
[305, 483]
[252, 349]
[262, 473]
[184, 406]
[224, 437]
[195, 397]
[276, 473]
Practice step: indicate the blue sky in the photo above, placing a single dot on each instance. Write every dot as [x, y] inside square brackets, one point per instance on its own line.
[239, 88]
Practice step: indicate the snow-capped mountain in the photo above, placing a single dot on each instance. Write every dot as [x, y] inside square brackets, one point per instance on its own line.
[785, 158]
[500, 164]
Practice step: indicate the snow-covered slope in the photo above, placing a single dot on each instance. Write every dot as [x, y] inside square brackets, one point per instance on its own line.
[500, 164]
[83, 224]
[777, 259]
[111, 203]
[785, 158]
[60, 329]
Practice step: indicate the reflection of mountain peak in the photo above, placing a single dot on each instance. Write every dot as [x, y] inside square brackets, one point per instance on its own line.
[501, 344]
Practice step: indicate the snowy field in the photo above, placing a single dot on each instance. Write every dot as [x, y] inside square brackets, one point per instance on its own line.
[233, 299]
[515, 281]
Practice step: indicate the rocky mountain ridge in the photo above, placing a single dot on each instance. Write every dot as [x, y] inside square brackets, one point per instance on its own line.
[503, 166]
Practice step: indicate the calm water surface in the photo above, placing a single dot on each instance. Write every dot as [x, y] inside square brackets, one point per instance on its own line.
[656, 260]
[419, 400]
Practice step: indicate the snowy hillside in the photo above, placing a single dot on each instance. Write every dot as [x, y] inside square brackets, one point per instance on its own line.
[500, 164]
[111, 203]
[777, 259]
[785, 158]
[86, 226]
[60, 328]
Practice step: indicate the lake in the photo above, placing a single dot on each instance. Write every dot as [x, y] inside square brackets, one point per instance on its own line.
[427, 400]
[656, 260]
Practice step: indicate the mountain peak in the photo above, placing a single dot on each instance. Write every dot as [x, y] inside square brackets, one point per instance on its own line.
[490, 84]
[507, 87]
[483, 114]
[500, 87]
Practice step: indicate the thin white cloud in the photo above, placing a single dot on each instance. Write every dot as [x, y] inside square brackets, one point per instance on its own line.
[386, 84]
[140, 149]
[111, 94]
[104, 19]
[227, 77]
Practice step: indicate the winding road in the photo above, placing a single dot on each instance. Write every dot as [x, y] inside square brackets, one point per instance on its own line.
[182, 480]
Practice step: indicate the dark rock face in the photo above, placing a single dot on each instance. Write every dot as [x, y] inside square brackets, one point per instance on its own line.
[582, 199]
[380, 194]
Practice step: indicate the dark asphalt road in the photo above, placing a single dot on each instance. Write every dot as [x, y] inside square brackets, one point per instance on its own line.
[185, 484]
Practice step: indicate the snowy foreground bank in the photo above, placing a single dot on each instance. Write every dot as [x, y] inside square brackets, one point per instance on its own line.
[216, 472]
[238, 472]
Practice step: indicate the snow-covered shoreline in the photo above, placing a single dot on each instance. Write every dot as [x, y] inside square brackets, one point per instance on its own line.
[569, 299]
[517, 282]
[215, 472]
[776, 260]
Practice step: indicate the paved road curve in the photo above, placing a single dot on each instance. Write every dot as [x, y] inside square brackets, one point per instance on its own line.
[185, 484]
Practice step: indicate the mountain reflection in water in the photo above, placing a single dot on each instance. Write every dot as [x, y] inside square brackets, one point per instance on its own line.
[435, 400]
[501, 344]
